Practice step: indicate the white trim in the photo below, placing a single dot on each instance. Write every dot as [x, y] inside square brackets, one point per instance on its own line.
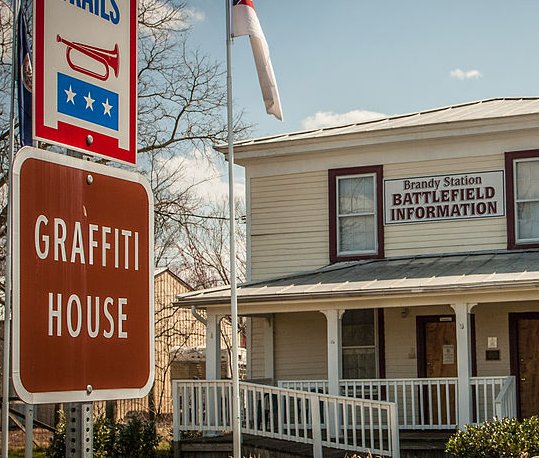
[516, 201]
[269, 352]
[248, 241]
[374, 215]
[464, 361]
[249, 337]
[334, 345]
[213, 346]
[468, 128]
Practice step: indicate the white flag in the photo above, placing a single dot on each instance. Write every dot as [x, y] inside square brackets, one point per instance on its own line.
[245, 22]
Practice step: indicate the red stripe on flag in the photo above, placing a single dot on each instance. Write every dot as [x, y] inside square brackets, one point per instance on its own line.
[246, 2]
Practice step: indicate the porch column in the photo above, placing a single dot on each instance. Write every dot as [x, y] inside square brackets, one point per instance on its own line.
[334, 318]
[268, 347]
[213, 346]
[464, 361]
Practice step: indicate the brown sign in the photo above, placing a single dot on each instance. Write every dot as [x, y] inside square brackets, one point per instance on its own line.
[82, 280]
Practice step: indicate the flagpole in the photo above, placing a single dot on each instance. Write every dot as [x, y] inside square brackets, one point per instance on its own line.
[236, 423]
[7, 282]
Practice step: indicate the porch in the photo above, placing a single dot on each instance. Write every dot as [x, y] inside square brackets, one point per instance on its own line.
[440, 340]
[367, 416]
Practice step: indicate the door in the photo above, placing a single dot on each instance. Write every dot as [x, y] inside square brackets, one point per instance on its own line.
[525, 341]
[440, 349]
[437, 358]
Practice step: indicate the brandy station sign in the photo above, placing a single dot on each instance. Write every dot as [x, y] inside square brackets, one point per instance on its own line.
[444, 197]
[83, 280]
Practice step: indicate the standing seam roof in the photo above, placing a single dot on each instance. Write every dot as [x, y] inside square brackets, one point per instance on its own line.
[489, 108]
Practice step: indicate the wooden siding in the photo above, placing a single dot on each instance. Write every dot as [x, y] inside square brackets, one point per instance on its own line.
[496, 324]
[257, 351]
[445, 236]
[401, 341]
[300, 346]
[491, 320]
[289, 214]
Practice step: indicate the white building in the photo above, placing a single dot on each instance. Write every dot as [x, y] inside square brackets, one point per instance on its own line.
[397, 260]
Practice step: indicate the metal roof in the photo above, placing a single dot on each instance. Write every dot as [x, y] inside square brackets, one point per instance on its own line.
[382, 276]
[477, 110]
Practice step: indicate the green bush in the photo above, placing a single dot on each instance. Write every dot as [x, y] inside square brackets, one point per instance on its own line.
[136, 438]
[498, 438]
[133, 438]
[57, 444]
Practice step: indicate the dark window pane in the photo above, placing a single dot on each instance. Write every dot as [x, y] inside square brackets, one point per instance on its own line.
[528, 220]
[358, 328]
[356, 195]
[527, 174]
[356, 233]
[359, 363]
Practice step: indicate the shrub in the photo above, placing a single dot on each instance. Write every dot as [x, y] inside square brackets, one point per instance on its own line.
[497, 438]
[133, 438]
[136, 438]
[57, 444]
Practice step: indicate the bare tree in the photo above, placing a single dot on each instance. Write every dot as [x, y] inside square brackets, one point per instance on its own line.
[206, 261]
[181, 115]
[181, 98]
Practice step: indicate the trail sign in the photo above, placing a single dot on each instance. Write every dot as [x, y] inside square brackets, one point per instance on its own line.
[85, 76]
[82, 280]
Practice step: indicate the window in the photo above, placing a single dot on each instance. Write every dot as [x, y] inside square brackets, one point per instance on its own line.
[356, 230]
[523, 194]
[359, 358]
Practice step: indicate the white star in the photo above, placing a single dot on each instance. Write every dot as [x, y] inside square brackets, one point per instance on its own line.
[89, 102]
[70, 95]
[107, 108]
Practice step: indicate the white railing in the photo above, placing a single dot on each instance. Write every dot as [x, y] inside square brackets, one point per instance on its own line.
[313, 386]
[426, 403]
[493, 397]
[505, 404]
[302, 416]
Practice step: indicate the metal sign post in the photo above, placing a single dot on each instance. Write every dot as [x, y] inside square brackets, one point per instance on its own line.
[79, 430]
[28, 430]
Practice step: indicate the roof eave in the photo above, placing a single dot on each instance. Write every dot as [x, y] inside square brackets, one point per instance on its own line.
[481, 288]
[462, 128]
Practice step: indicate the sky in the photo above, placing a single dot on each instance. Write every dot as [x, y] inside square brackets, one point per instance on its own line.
[344, 61]
[337, 61]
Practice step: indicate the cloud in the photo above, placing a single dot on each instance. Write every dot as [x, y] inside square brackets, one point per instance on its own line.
[329, 118]
[209, 180]
[194, 15]
[465, 74]
[168, 15]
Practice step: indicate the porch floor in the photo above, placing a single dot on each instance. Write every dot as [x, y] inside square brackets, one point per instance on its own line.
[414, 444]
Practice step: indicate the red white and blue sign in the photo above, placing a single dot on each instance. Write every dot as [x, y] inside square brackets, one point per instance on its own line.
[85, 76]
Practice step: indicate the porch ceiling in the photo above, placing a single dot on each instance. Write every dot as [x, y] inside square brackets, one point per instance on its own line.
[407, 276]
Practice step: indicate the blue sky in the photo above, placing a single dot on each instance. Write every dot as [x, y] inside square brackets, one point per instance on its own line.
[334, 60]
